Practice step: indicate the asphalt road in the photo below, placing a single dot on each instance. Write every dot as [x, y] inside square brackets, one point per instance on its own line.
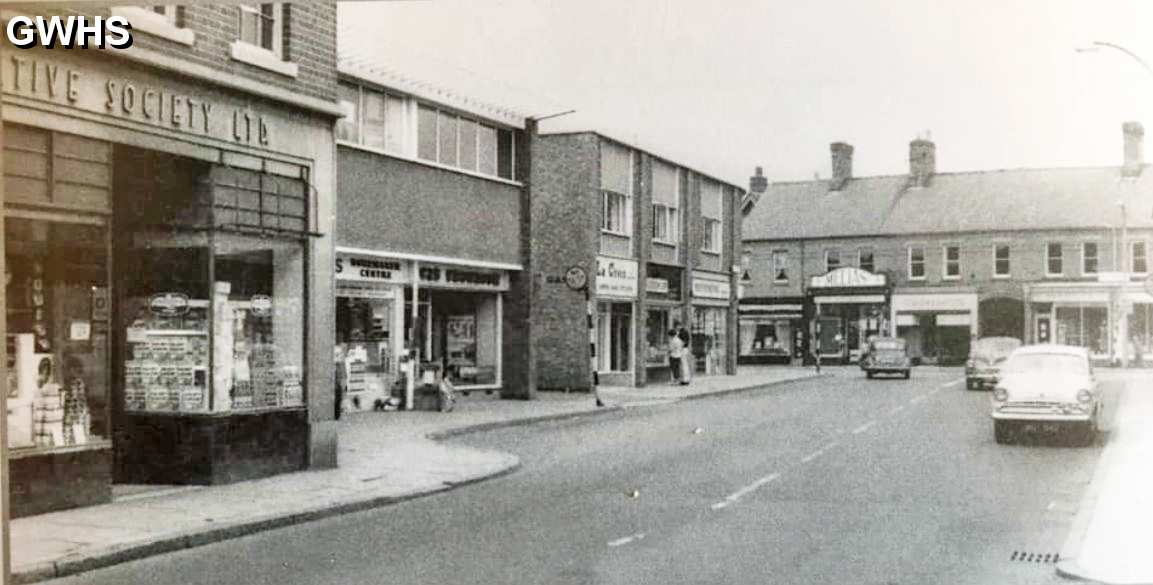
[834, 480]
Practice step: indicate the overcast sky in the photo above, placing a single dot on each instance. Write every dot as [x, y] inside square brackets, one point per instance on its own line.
[725, 86]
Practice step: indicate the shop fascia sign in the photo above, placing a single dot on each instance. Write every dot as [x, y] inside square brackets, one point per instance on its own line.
[146, 102]
[711, 289]
[442, 276]
[657, 285]
[367, 269]
[616, 277]
[847, 277]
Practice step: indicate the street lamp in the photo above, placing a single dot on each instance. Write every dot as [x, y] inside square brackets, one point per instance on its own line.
[1098, 45]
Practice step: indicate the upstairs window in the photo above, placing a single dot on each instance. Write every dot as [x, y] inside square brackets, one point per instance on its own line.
[832, 260]
[865, 260]
[1001, 261]
[617, 188]
[712, 211]
[1089, 261]
[916, 263]
[448, 139]
[261, 26]
[1054, 261]
[1138, 262]
[952, 265]
[666, 200]
[780, 266]
[166, 22]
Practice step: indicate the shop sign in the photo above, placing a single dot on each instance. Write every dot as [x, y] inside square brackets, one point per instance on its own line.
[711, 289]
[168, 304]
[147, 102]
[847, 277]
[657, 285]
[464, 278]
[616, 277]
[935, 302]
[364, 269]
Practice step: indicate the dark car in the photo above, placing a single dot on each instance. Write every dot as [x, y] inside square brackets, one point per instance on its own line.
[986, 357]
[886, 355]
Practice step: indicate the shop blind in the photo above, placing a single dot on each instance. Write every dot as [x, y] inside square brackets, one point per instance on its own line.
[665, 188]
[245, 200]
[43, 167]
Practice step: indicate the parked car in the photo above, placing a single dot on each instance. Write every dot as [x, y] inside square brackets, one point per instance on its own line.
[1047, 388]
[886, 355]
[986, 356]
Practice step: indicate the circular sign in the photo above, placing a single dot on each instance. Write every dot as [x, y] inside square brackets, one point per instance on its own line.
[261, 305]
[168, 304]
[576, 278]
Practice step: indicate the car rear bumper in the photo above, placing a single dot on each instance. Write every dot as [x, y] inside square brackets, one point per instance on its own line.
[1042, 416]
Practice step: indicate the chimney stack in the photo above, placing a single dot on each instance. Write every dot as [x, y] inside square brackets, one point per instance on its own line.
[842, 165]
[758, 183]
[1134, 137]
[922, 162]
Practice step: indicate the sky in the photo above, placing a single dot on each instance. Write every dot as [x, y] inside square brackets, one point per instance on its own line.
[723, 87]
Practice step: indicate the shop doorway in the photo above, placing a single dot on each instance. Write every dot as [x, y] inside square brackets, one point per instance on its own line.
[1002, 317]
[614, 332]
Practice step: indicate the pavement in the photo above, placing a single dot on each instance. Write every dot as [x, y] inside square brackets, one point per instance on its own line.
[385, 458]
[831, 480]
[1111, 540]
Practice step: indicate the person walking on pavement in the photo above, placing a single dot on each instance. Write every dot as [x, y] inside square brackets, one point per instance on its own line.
[676, 353]
[686, 353]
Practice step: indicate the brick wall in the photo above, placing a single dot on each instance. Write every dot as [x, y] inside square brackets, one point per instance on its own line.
[566, 219]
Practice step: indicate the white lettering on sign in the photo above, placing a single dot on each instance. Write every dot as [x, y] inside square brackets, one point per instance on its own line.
[847, 277]
[711, 289]
[355, 268]
[616, 277]
[657, 285]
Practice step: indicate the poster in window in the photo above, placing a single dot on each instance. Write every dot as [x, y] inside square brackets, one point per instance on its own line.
[460, 339]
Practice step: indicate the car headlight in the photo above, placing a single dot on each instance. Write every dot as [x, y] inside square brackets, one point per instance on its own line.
[1084, 396]
[1000, 394]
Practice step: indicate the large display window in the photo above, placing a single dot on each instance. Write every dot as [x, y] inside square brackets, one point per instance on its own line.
[56, 282]
[657, 328]
[709, 345]
[1085, 326]
[614, 332]
[213, 322]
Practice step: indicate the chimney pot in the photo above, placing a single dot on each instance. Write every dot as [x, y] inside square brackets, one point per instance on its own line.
[842, 154]
[758, 183]
[922, 162]
[1134, 134]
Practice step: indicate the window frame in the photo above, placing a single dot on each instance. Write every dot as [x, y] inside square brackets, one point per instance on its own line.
[1133, 257]
[711, 240]
[625, 201]
[1048, 257]
[872, 258]
[945, 262]
[672, 222]
[166, 25]
[783, 254]
[909, 262]
[829, 252]
[272, 59]
[1085, 258]
[1008, 261]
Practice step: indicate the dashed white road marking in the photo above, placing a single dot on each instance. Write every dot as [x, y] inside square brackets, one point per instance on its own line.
[812, 456]
[916, 399]
[737, 495]
[953, 383]
[896, 409]
[864, 427]
[626, 539]
[1051, 505]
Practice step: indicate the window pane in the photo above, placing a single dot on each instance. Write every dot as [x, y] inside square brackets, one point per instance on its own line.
[468, 145]
[506, 152]
[832, 260]
[781, 266]
[616, 168]
[1089, 258]
[866, 260]
[1054, 259]
[1140, 265]
[249, 25]
[373, 119]
[447, 136]
[426, 134]
[394, 122]
[711, 199]
[347, 128]
[486, 150]
[665, 184]
[267, 22]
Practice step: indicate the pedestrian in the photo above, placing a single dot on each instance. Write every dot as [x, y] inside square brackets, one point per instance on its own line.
[686, 354]
[676, 354]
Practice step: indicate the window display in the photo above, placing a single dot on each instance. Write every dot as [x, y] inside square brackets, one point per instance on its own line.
[57, 344]
[365, 349]
[657, 337]
[709, 346]
[465, 336]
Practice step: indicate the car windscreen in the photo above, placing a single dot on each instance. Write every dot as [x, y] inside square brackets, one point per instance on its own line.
[1048, 363]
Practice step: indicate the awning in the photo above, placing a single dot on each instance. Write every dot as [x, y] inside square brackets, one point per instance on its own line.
[849, 299]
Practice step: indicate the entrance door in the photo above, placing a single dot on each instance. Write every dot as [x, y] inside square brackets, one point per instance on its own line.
[831, 336]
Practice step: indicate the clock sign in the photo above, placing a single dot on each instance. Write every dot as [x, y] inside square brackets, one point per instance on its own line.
[576, 278]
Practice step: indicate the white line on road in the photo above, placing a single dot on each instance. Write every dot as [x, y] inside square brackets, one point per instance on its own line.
[812, 456]
[732, 499]
[953, 383]
[917, 398]
[896, 409]
[864, 427]
[627, 539]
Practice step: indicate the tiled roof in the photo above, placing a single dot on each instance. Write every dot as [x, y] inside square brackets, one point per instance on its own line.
[1005, 200]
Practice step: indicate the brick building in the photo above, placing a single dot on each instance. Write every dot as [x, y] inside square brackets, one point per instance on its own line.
[658, 241]
[430, 257]
[1044, 255]
[168, 247]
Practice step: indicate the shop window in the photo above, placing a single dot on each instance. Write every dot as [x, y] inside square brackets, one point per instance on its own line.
[656, 337]
[780, 266]
[1084, 326]
[366, 349]
[762, 336]
[952, 262]
[466, 337]
[1141, 332]
[57, 309]
[865, 260]
[1001, 264]
[1089, 260]
[832, 260]
[1138, 263]
[916, 263]
[1054, 262]
[709, 345]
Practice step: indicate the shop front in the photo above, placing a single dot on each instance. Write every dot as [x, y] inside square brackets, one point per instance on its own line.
[1113, 320]
[663, 309]
[711, 303]
[616, 288]
[454, 326]
[772, 330]
[849, 305]
[937, 325]
[173, 348]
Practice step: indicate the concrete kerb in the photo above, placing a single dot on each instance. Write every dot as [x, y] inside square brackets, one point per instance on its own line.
[192, 539]
[764, 386]
[1068, 567]
[519, 422]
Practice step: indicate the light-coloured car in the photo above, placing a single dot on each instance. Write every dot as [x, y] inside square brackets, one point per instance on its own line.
[986, 357]
[1047, 388]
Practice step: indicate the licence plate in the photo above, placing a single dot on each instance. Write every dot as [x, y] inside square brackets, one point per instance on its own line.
[1043, 427]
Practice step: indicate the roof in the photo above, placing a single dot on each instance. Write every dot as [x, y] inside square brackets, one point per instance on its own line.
[978, 201]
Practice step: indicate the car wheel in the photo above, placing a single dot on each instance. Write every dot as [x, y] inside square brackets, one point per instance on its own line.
[1002, 432]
